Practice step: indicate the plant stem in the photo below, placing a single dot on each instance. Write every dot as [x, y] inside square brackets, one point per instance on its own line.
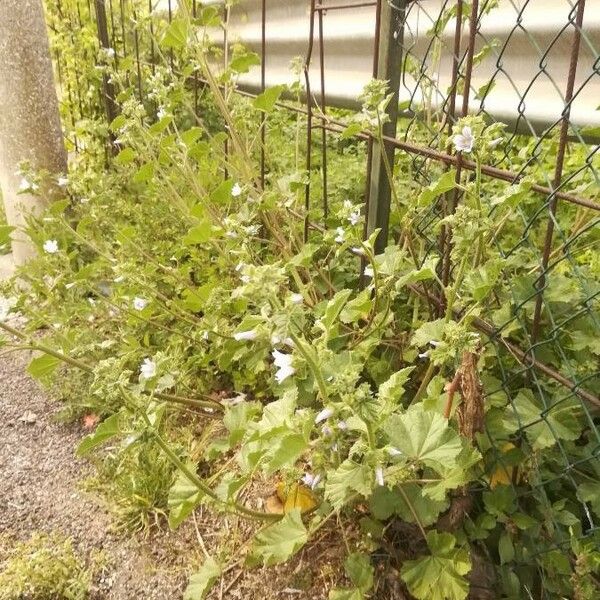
[195, 480]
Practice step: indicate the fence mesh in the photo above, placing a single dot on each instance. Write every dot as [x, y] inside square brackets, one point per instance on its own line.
[486, 58]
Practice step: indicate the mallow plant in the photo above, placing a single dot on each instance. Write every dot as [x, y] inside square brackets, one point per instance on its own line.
[358, 388]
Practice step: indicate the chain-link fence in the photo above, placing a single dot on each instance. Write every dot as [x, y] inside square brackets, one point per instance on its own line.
[532, 65]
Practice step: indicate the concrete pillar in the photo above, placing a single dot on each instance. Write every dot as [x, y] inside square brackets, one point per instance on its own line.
[30, 126]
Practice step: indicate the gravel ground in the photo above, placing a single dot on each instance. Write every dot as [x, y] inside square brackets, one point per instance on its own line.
[41, 491]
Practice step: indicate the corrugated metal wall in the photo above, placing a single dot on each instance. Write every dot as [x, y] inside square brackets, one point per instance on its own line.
[529, 62]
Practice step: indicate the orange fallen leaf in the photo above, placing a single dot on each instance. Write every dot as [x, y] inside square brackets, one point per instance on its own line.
[90, 420]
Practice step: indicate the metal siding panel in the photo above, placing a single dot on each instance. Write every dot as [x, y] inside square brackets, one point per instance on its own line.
[522, 85]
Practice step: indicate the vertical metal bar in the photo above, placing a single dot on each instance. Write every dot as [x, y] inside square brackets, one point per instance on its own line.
[136, 44]
[451, 114]
[171, 55]
[123, 34]
[194, 14]
[309, 116]
[389, 69]
[108, 92]
[324, 120]
[473, 24]
[558, 170]
[226, 89]
[152, 56]
[370, 141]
[263, 81]
[113, 31]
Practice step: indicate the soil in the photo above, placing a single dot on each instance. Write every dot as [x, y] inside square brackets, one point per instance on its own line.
[42, 491]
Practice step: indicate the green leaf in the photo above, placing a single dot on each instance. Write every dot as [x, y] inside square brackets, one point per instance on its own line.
[590, 492]
[236, 420]
[126, 156]
[500, 500]
[345, 594]
[542, 427]
[199, 234]
[43, 365]
[430, 330]
[5, 231]
[444, 184]
[117, 123]
[286, 452]
[209, 17]
[222, 193]
[360, 571]
[348, 478]
[425, 436]
[385, 502]
[356, 309]
[427, 271]
[506, 550]
[391, 391]
[279, 542]
[243, 62]
[202, 581]
[441, 575]
[350, 131]
[267, 100]
[184, 497]
[144, 173]
[334, 308]
[106, 430]
[176, 35]
[485, 89]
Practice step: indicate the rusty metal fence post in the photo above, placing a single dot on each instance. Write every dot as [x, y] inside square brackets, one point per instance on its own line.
[389, 65]
[108, 91]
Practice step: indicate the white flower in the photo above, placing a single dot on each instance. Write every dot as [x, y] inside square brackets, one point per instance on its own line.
[312, 481]
[435, 343]
[354, 217]
[463, 142]
[245, 278]
[139, 303]
[327, 431]
[62, 182]
[495, 142]
[241, 397]
[340, 235]
[5, 305]
[358, 251]
[297, 298]
[394, 451]
[110, 52]
[84, 200]
[26, 185]
[283, 362]
[324, 415]
[342, 425]
[148, 368]
[51, 246]
[277, 339]
[161, 112]
[119, 279]
[236, 190]
[369, 272]
[379, 476]
[240, 266]
[245, 335]
[424, 354]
